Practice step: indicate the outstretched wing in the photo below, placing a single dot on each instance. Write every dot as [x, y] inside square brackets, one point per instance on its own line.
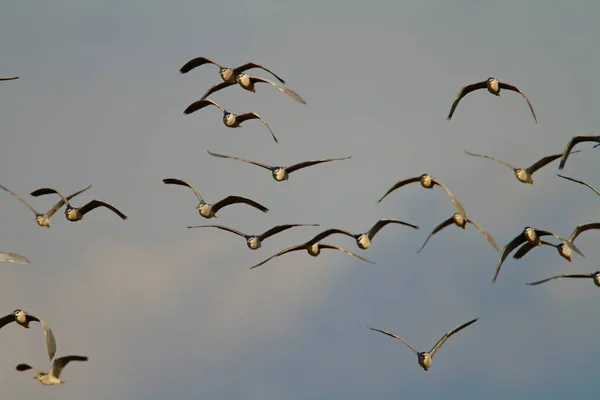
[14, 258]
[510, 246]
[97, 203]
[305, 164]
[447, 336]
[506, 86]
[462, 93]
[7, 319]
[438, 228]
[396, 337]
[19, 198]
[455, 201]
[581, 182]
[574, 140]
[561, 276]
[332, 247]
[280, 228]
[491, 158]
[216, 87]
[223, 227]
[200, 104]
[489, 237]
[326, 233]
[399, 184]
[60, 363]
[50, 341]
[174, 181]
[282, 252]
[289, 92]
[527, 247]
[9, 79]
[265, 166]
[544, 161]
[238, 199]
[250, 65]
[61, 202]
[582, 228]
[252, 115]
[196, 62]
[383, 222]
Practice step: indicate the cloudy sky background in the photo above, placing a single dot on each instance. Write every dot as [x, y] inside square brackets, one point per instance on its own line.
[163, 311]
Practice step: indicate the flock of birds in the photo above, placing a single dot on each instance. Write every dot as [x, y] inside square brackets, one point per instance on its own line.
[523, 243]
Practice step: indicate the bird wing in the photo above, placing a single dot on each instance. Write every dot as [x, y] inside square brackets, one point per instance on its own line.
[544, 161]
[215, 88]
[396, 337]
[463, 92]
[265, 166]
[308, 163]
[20, 199]
[510, 246]
[565, 241]
[98, 203]
[491, 158]
[399, 184]
[61, 202]
[561, 276]
[489, 237]
[26, 367]
[197, 105]
[326, 233]
[280, 228]
[238, 199]
[383, 222]
[455, 201]
[223, 227]
[332, 247]
[50, 340]
[60, 363]
[9, 79]
[582, 228]
[251, 65]
[438, 228]
[441, 342]
[14, 258]
[293, 95]
[174, 181]
[252, 115]
[507, 86]
[582, 182]
[7, 319]
[282, 252]
[574, 140]
[527, 247]
[196, 62]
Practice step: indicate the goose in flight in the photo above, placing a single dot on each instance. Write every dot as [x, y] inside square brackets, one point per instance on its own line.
[210, 210]
[44, 219]
[9, 79]
[227, 74]
[523, 174]
[428, 182]
[254, 241]
[363, 240]
[23, 319]
[230, 120]
[14, 258]
[563, 249]
[493, 86]
[52, 377]
[248, 81]
[595, 276]
[575, 140]
[74, 214]
[581, 182]
[313, 247]
[426, 357]
[533, 236]
[461, 222]
[280, 173]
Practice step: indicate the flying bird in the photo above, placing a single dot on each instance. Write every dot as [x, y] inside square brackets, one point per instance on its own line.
[229, 119]
[493, 86]
[227, 74]
[426, 357]
[280, 173]
[210, 210]
[581, 182]
[74, 214]
[529, 235]
[9, 79]
[523, 174]
[254, 241]
[461, 222]
[247, 82]
[14, 258]
[44, 219]
[23, 319]
[428, 182]
[363, 240]
[575, 140]
[595, 276]
[313, 247]
[52, 377]
[563, 249]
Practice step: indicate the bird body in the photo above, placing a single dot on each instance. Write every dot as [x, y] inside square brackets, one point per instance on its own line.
[461, 222]
[23, 318]
[75, 214]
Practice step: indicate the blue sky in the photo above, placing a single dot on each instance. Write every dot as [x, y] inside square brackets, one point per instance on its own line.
[163, 311]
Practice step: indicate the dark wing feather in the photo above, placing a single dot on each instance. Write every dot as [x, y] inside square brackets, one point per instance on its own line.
[251, 65]
[399, 184]
[23, 367]
[463, 92]
[574, 140]
[97, 203]
[455, 201]
[489, 237]
[326, 233]
[527, 247]
[252, 115]
[308, 163]
[282, 252]
[438, 228]
[581, 182]
[544, 161]
[383, 222]
[216, 87]
[280, 228]
[197, 105]
[223, 227]
[492, 158]
[265, 166]
[289, 92]
[7, 319]
[447, 336]
[582, 228]
[9, 79]
[510, 246]
[174, 181]
[238, 199]
[506, 86]
[562, 276]
[61, 202]
[565, 241]
[330, 246]
[60, 363]
[196, 62]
